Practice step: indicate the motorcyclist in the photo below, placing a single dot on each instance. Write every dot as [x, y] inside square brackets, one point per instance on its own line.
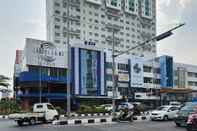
[126, 114]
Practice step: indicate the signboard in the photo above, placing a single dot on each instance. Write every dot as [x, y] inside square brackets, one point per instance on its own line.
[123, 77]
[42, 53]
[136, 72]
[18, 63]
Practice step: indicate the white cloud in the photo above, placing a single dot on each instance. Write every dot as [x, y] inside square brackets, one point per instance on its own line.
[184, 3]
[164, 2]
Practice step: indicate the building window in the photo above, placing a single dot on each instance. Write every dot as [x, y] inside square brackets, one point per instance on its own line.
[57, 34]
[57, 27]
[123, 67]
[57, 19]
[57, 41]
[108, 65]
[147, 7]
[109, 77]
[147, 80]
[57, 4]
[147, 69]
[57, 12]
[132, 5]
[114, 3]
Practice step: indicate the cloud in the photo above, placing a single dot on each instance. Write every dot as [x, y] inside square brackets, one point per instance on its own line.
[184, 3]
[164, 2]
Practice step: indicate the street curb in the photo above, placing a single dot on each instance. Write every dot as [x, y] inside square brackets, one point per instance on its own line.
[88, 114]
[82, 121]
[3, 117]
[76, 121]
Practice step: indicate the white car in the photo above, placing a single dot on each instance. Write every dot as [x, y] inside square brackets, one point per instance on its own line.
[164, 112]
[107, 107]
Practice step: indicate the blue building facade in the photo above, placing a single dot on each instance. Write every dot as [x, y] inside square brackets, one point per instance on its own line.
[166, 71]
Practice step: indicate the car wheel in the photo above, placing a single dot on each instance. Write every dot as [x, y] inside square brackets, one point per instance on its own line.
[56, 118]
[152, 119]
[32, 121]
[165, 118]
[20, 123]
[189, 128]
[178, 124]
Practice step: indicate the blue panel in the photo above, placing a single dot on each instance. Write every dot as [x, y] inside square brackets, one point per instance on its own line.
[166, 71]
[47, 95]
[34, 77]
[163, 73]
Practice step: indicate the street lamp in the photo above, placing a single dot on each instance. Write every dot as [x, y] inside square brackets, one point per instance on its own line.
[156, 38]
[40, 72]
[114, 29]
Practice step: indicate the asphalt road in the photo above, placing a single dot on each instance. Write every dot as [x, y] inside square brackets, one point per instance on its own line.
[136, 126]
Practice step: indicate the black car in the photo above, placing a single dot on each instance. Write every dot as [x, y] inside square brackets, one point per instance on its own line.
[183, 114]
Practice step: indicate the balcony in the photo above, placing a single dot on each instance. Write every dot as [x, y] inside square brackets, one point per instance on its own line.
[114, 13]
[150, 85]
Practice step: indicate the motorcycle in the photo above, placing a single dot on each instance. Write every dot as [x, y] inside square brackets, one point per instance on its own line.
[192, 122]
[126, 115]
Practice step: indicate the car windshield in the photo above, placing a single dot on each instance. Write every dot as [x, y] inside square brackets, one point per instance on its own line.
[189, 107]
[162, 108]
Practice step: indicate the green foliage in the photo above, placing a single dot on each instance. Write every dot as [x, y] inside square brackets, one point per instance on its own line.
[91, 109]
[8, 107]
[4, 81]
[60, 110]
[138, 109]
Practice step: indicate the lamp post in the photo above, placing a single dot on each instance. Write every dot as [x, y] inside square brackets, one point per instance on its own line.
[156, 38]
[114, 29]
[40, 72]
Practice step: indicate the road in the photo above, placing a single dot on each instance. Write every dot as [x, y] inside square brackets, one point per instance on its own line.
[136, 126]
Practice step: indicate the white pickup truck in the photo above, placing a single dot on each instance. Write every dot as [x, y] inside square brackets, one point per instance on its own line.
[42, 112]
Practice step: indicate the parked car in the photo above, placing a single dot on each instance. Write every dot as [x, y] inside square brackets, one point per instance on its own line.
[182, 116]
[124, 105]
[175, 103]
[107, 107]
[165, 112]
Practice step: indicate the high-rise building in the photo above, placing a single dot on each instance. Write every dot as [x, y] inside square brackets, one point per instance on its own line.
[89, 18]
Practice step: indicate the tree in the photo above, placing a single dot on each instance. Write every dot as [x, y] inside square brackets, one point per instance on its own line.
[4, 81]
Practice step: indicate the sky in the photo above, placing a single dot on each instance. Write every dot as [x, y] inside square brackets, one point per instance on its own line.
[20, 19]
